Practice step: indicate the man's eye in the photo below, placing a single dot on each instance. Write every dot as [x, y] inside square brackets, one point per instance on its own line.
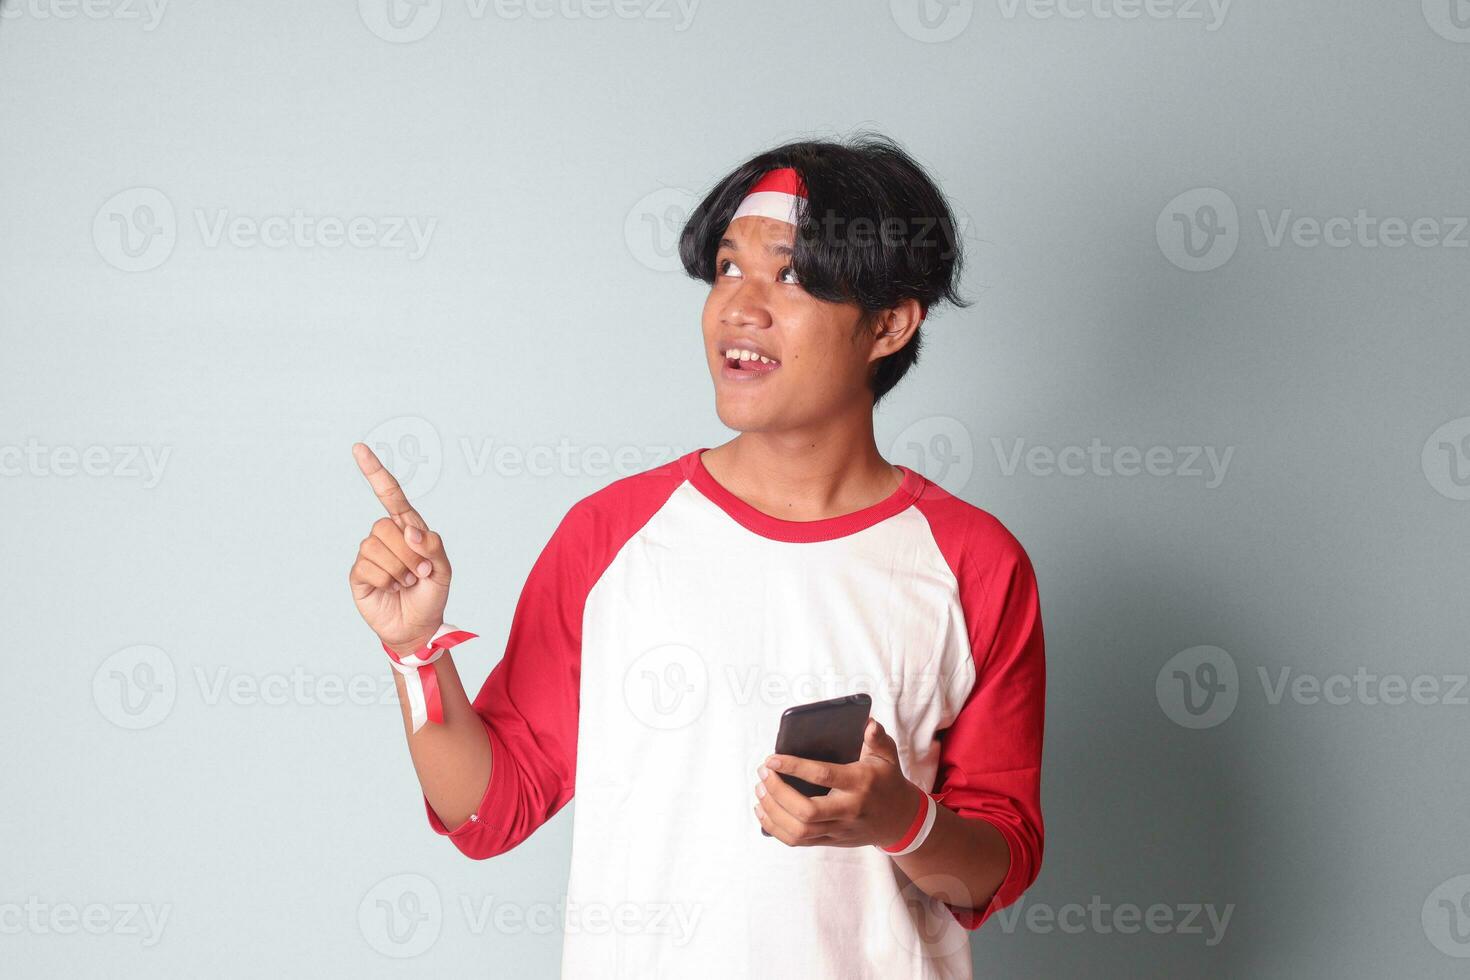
[788, 275]
[728, 268]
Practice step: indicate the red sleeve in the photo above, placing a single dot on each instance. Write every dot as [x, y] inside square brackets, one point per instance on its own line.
[529, 703]
[990, 756]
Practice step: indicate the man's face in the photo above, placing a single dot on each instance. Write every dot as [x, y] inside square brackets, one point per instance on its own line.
[817, 368]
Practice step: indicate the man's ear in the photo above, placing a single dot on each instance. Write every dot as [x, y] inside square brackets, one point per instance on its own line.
[893, 328]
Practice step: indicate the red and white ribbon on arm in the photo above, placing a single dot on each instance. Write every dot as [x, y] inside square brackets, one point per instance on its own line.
[419, 678]
[918, 831]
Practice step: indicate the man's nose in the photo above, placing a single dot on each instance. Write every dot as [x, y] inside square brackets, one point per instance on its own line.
[747, 306]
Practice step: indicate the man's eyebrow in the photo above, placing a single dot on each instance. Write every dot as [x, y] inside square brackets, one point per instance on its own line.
[779, 248]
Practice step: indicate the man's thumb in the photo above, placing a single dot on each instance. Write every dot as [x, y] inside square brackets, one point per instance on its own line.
[877, 742]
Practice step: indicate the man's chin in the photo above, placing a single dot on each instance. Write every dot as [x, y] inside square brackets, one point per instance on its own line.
[745, 417]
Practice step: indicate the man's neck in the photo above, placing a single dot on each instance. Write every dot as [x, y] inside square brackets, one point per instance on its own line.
[798, 477]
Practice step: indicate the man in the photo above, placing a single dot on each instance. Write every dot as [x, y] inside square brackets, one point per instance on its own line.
[675, 613]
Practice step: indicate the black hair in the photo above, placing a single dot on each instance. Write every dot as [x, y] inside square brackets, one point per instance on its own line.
[875, 231]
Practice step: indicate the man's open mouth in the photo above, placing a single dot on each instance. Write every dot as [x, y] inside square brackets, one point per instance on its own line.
[749, 362]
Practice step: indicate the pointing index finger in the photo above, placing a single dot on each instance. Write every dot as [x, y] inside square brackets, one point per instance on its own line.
[385, 486]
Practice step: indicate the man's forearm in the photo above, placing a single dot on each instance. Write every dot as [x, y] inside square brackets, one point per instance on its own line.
[963, 862]
[452, 759]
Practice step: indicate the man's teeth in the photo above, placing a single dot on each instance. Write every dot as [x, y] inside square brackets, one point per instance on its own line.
[745, 355]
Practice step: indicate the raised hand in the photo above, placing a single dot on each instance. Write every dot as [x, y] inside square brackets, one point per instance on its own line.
[400, 580]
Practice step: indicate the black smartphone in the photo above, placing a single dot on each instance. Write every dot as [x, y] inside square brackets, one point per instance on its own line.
[827, 731]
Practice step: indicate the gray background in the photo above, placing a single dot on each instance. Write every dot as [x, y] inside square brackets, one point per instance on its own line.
[555, 156]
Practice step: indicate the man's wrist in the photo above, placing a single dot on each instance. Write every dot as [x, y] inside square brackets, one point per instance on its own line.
[420, 681]
[902, 822]
[407, 649]
[916, 831]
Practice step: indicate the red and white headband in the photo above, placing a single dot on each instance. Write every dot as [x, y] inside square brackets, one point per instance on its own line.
[780, 194]
[776, 195]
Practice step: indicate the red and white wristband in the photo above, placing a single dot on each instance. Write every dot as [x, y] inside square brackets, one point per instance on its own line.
[419, 678]
[918, 831]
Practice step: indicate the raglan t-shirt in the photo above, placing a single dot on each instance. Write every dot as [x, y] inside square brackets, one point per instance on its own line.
[659, 636]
